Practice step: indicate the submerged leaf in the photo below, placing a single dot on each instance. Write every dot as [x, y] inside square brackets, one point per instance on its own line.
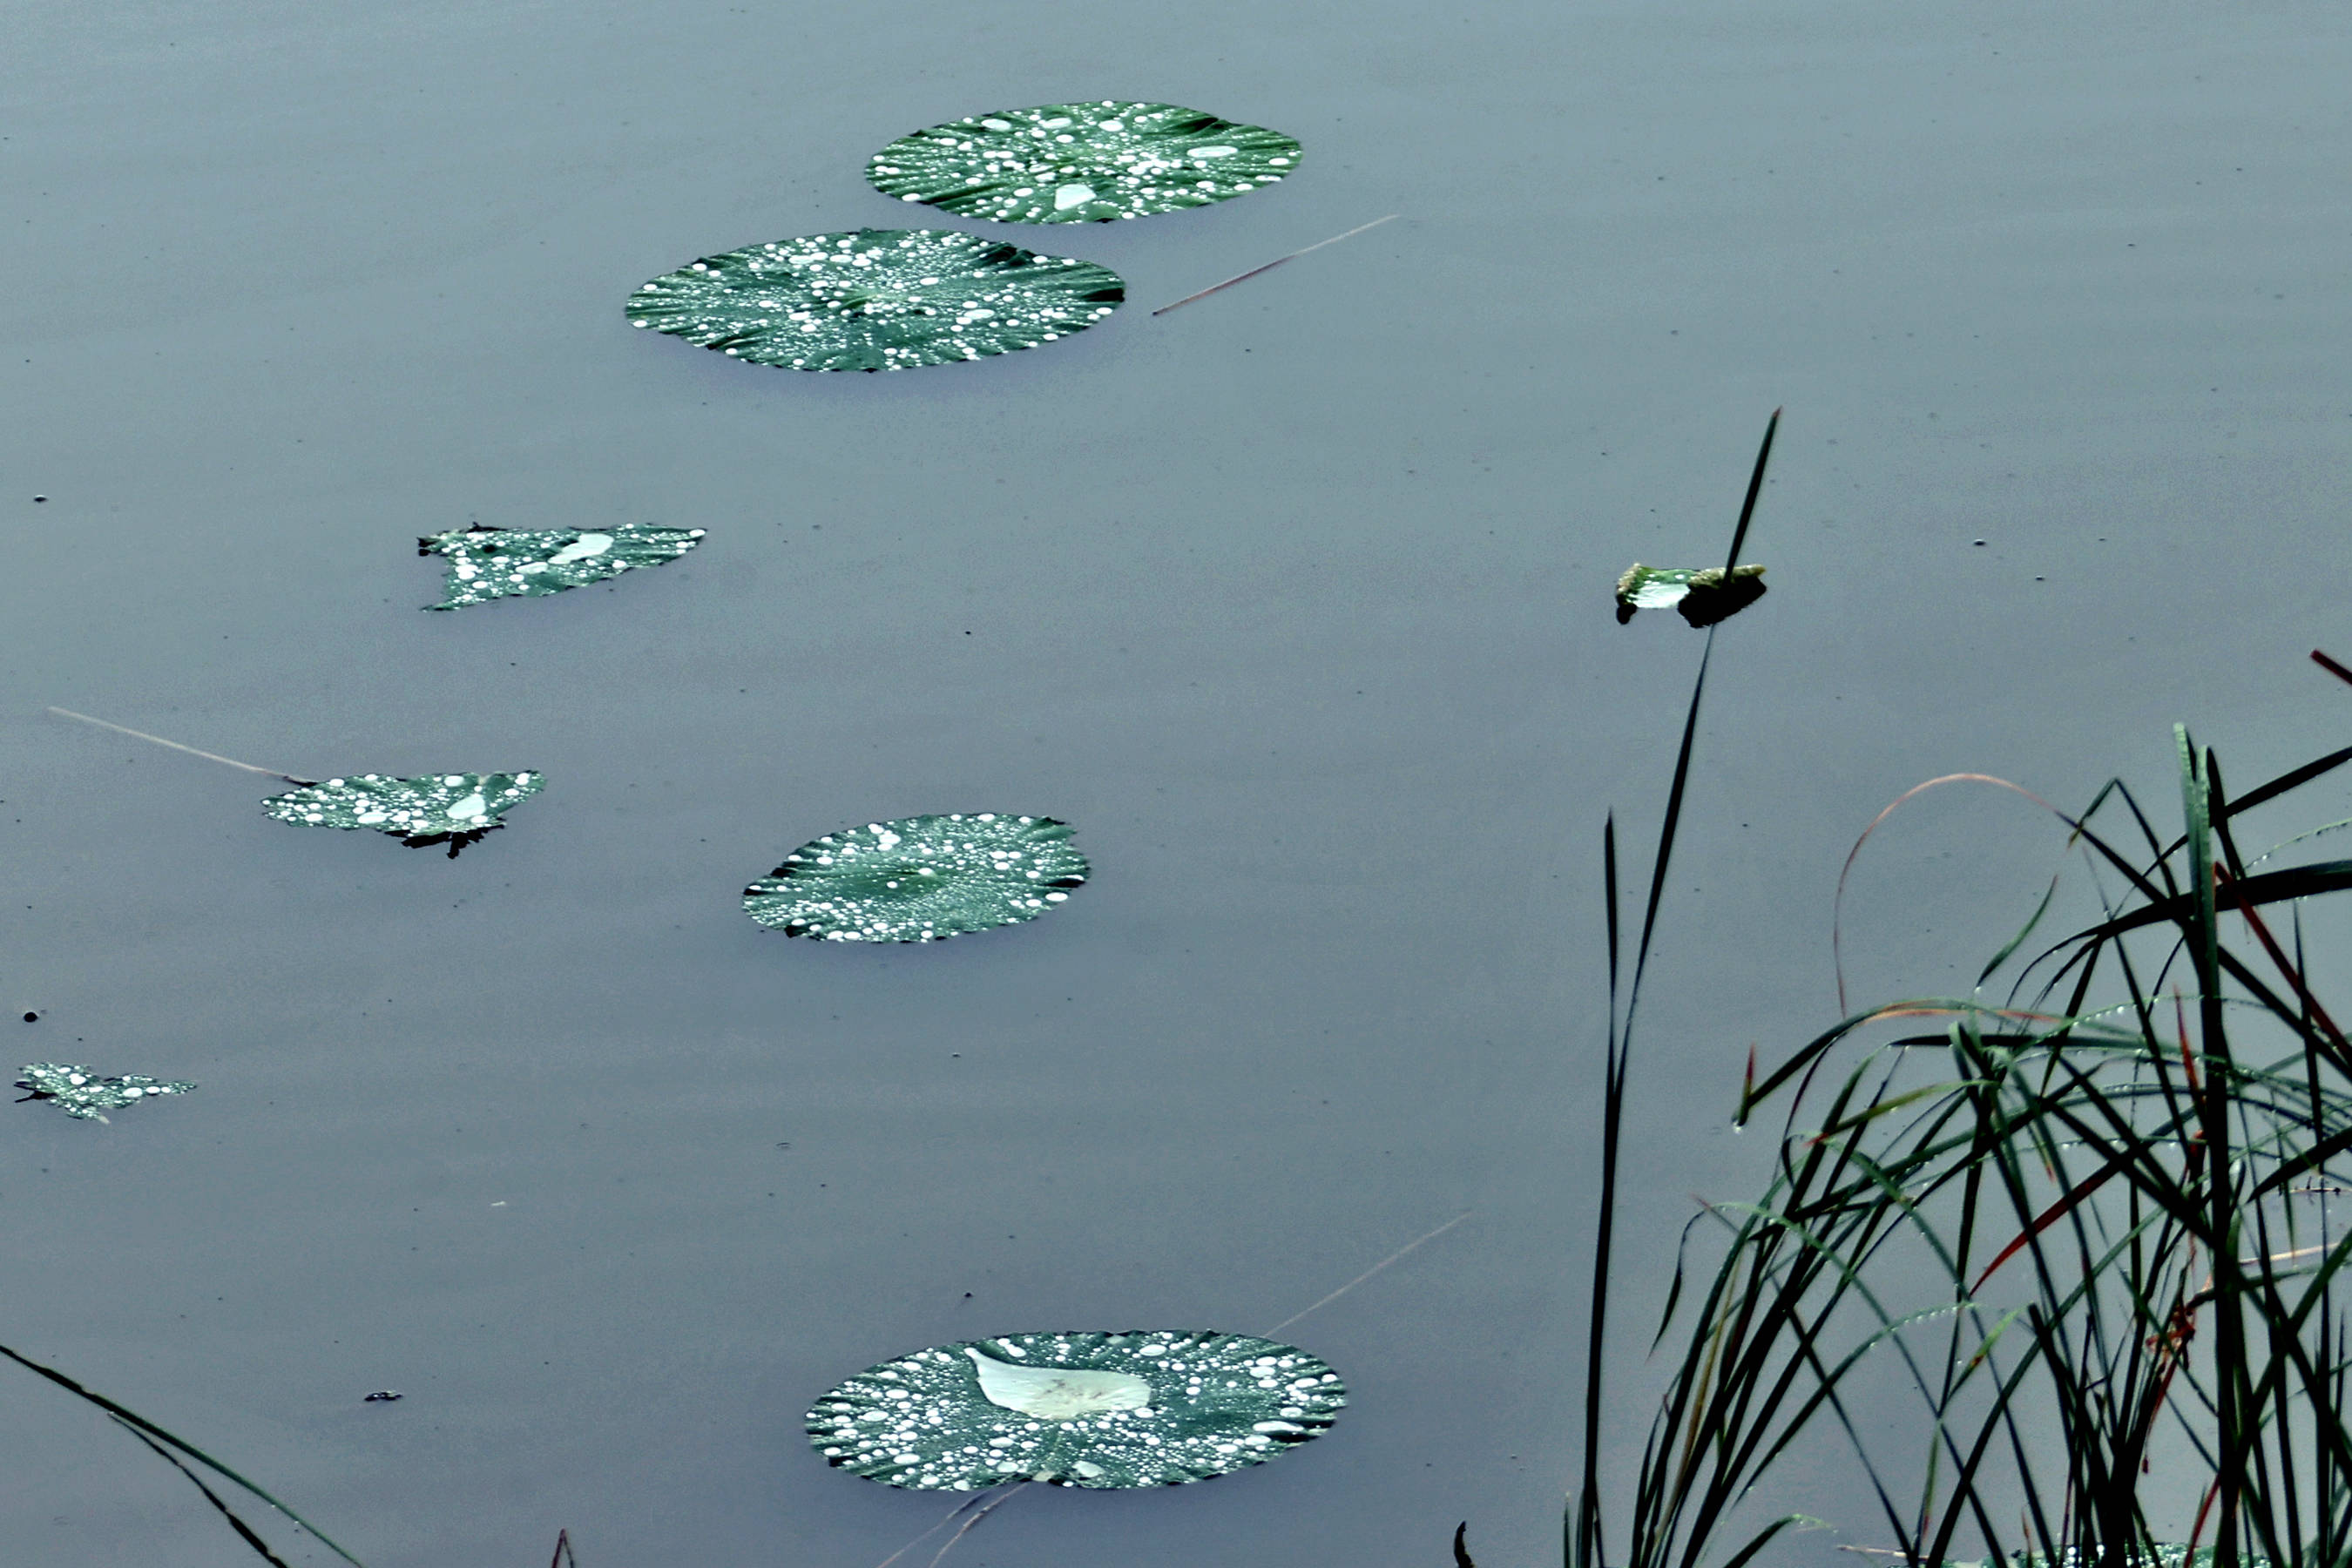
[455, 809]
[877, 298]
[80, 1093]
[1136, 1409]
[920, 878]
[1700, 597]
[487, 563]
[1081, 163]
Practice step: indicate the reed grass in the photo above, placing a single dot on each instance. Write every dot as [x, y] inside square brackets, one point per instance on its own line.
[2084, 1223]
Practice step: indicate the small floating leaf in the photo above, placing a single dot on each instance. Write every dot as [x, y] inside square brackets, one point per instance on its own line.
[1700, 597]
[920, 878]
[877, 298]
[487, 563]
[78, 1091]
[1081, 163]
[1138, 1409]
[455, 809]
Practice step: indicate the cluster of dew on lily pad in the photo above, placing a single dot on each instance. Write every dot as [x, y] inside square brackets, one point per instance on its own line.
[487, 563]
[441, 808]
[920, 878]
[877, 298]
[1103, 1410]
[84, 1093]
[1082, 163]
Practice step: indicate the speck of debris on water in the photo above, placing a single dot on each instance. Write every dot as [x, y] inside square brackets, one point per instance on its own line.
[32, 1017]
[383, 1397]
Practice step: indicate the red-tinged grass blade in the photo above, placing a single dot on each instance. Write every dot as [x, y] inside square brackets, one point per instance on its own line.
[147, 1428]
[1837, 902]
[2331, 667]
[2046, 1218]
[563, 1558]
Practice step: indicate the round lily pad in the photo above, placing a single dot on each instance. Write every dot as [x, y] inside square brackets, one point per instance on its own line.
[1081, 163]
[1138, 1409]
[455, 809]
[877, 298]
[920, 878]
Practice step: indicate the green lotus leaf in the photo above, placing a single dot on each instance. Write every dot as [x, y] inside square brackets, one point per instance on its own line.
[920, 878]
[78, 1091]
[487, 563]
[455, 809]
[1081, 163]
[877, 298]
[1701, 596]
[1138, 1409]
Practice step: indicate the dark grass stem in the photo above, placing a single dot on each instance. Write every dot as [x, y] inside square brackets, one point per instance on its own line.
[1586, 1542]
[168, 1444]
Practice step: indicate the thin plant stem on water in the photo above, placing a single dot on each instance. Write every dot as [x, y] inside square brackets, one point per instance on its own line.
[176, 746]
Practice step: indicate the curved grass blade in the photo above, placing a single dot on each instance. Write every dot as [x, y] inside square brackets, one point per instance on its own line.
[146, 1428]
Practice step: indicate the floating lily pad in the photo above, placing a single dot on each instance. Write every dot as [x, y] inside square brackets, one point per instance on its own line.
[1702, 597]
[877, 298]
[1139, 1409]
[1081, 163]
[81, 1093]
[455, 809]
[487, 563]
[920, 878]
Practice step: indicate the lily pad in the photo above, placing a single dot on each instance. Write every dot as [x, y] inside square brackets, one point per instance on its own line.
[1701, 596]
[1107, 1410]
[1082, 163]
[79, 1091]
[455, 809]
[920, 878]
[877, 298]
[487, 563]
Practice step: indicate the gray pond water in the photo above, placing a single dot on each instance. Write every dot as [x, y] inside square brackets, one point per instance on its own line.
[1294, 600]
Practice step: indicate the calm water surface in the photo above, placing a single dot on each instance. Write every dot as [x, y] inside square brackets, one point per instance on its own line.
[1295, 602]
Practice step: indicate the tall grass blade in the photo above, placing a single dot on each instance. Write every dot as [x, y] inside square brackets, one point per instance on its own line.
[147, 1428]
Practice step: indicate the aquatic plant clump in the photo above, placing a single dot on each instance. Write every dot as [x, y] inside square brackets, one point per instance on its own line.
[487, 563]
[1106, 1410]
[1702, 597]
[920, 878]
[1081, 163]
[455, 809]
[877, 298]
[79, 1091]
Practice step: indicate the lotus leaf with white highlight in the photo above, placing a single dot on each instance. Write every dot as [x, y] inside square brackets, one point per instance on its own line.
[1106, 1410]
[920, 878]
[1082, 163]
[455, 809]
[487, 563]
[1701, 596]
[877, 298]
